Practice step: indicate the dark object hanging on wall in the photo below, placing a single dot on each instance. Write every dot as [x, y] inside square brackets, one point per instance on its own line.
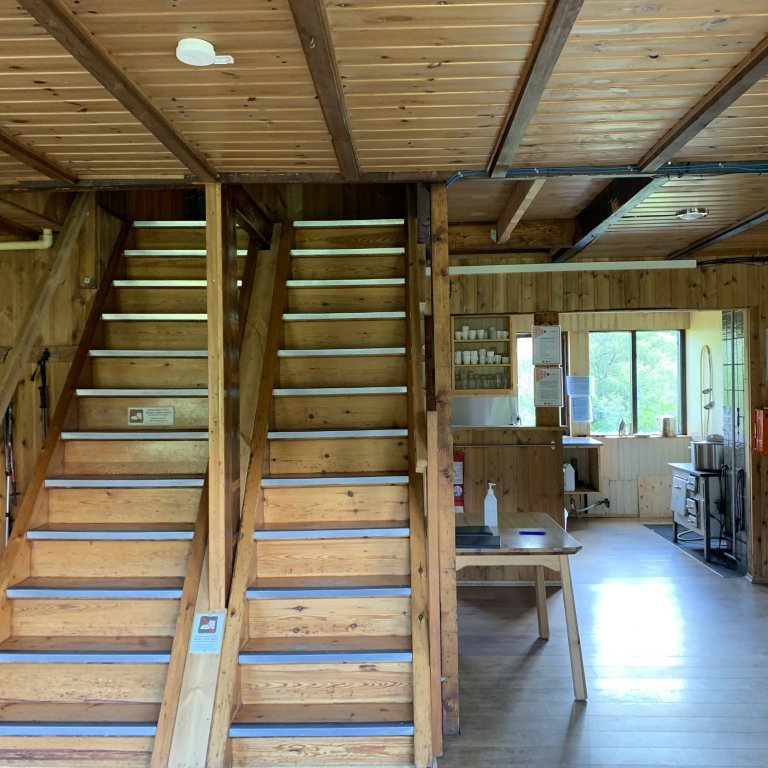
[41, 369]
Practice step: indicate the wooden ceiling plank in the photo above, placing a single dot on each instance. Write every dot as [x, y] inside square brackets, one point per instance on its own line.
[61, 24]
[723, 234]
[607, 208]
[33, 159]
[523, 194]
[722, 96]
[312, 25]
[554, 30]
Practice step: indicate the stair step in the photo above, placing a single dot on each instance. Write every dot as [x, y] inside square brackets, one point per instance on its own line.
[135, 435]
[336, 434]
[50, 652]
[47, 729]
[321, 657]
[343, 531]
[357, 282]
[345, 391]
[161, 283]
[149, 353]
[348, 251]
[290, 317]
[307, 587]
[331, 644]
[170, 223]
[155, 316]
[325, 730]
[67, 712]
[103, 589]
[344, 223]
[107, 532]
[170, 392]
[343, 352]
[174, 252]
[124, 482]
[293, 482]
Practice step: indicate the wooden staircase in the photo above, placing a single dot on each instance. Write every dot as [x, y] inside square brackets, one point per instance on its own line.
[95, 570]
[326, 664]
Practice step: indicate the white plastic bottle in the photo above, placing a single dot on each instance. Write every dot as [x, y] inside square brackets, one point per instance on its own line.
[490, 510]
[569, 477]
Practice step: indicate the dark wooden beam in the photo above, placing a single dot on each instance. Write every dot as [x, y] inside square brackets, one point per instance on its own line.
[730, 88]
[25, 217]
[522, 195]
[722, 234]
[554, 29]
[315, 35]
[34, 159]
[62, 25]
[612, 204]
[251, 217]
[17, 230]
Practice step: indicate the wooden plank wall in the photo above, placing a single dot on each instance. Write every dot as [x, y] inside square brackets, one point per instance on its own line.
[710, 287]
[62, 325]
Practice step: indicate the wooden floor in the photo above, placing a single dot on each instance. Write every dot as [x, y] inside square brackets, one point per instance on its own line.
[676, 660]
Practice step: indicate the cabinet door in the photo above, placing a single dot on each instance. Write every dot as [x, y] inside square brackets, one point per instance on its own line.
[677, 502]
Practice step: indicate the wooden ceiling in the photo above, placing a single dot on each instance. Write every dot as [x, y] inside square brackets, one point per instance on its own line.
[630, 110]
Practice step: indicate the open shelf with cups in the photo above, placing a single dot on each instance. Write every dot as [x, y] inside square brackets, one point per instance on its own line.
[483, 358]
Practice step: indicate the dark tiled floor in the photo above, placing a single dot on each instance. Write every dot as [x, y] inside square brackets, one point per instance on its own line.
[676, 660]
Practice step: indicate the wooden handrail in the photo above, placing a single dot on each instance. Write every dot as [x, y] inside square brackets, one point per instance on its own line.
[15, 564]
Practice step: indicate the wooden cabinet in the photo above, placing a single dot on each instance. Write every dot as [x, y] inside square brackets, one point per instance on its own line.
[483, 356]
[583, 453]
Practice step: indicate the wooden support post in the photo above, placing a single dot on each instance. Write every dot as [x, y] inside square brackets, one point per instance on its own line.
[442, 357]
[223, 408]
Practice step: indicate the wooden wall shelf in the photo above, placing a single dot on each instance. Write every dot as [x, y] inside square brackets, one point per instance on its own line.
[478, 378]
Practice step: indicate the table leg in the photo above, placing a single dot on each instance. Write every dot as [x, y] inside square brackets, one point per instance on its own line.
[541, 603]
[574, 644]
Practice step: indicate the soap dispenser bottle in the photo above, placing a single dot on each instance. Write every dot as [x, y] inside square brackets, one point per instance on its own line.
[490, 511]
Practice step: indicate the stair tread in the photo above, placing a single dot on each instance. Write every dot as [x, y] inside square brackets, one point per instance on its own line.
[342, 525]
[48, 712]
[343, 352]
[335, 644]
[129, 527]
[142, 392]
[359, 478]
[148, 353]
[112, 532]
[136, 434]
[162, 587]
[313, 434]
[353, 712]
[84, 644]
[373, 315]
[340, 391]
[329, 582]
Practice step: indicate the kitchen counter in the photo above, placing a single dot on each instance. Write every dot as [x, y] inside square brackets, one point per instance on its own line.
[688, 467]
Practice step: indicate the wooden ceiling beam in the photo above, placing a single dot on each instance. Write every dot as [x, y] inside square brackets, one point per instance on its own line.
[16, 229]
[311, 22]
[553, 32]
[722, 234]
[25, 217]
[751, 69]
[523, 194]
[612, 204]
[34, 159]
[67, 30]
[252, 218]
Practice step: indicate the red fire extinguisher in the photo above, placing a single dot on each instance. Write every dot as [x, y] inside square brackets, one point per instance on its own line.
[458, 482]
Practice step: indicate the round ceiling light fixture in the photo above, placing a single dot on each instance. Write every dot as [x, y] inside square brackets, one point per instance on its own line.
[199, 53]
[692, 214]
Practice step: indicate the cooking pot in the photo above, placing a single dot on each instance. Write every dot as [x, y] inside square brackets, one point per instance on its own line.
[707, 456]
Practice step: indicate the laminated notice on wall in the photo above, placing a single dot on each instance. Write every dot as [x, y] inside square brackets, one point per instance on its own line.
[151, 416]
[546, 344]
[581, 408]
[548, 387]
[207, 632]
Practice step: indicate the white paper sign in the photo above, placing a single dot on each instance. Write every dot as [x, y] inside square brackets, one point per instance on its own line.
[207, 632]
[581, 408]
[548, 387]
[151, 416]
[546, 344]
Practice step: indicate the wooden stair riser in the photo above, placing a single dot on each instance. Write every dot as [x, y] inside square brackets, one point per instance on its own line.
[338, 455]
[76, 751]
[319, 504]
[342, 371]
[383, 236]
[156, 299]
[85, 683]
[177, 237]
[99, 413]
[385, 298]
[84, 457]
[334, 334]
[84, 617]
[150, 372]
[326, 683]
[330, 616]
[331, 557]
[348, 411]
[169, 268]
[346, 267]
[155, 334]
[108, 559]
[150, 506]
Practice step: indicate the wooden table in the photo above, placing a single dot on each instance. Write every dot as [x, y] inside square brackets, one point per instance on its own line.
[551, 549]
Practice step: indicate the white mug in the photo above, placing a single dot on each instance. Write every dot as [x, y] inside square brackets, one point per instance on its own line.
[457, 358]
[472, 333]
[480, 333]
[492, 333]
[457, 334]
[465, 357]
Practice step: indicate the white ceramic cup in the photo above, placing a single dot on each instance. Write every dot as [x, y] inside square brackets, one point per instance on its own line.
[505, 360]
[465, 357]
[472, 333]
[481, 333]
[492, 333]
[464, 331]
[457, 358]
[457, 334]
[473, 357]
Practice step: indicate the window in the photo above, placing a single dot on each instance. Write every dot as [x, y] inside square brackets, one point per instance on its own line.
[638, 377]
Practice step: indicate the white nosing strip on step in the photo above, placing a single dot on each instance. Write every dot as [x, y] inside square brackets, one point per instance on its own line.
[310, 592]
[328, 434]
[85, 593]
[141, 392]
[159, 283]
[157, 316]
[179, 252]
[298, 482]
[127, 482]
[397, 251]
[170, 223]
[85, 657]
[327, 657]
[136, 435]
[148, 353]
[343, 352]
[333, 533]
[76, 729]
[341, 223]
[298, 731]
[362, 283]
[293, 316]
[97, 535]
[321, 391]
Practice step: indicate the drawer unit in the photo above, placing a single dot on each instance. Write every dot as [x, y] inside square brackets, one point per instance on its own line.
[695, 503]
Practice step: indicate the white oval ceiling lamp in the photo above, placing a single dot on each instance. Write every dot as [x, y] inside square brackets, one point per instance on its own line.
[199, 53]
[692, 214]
